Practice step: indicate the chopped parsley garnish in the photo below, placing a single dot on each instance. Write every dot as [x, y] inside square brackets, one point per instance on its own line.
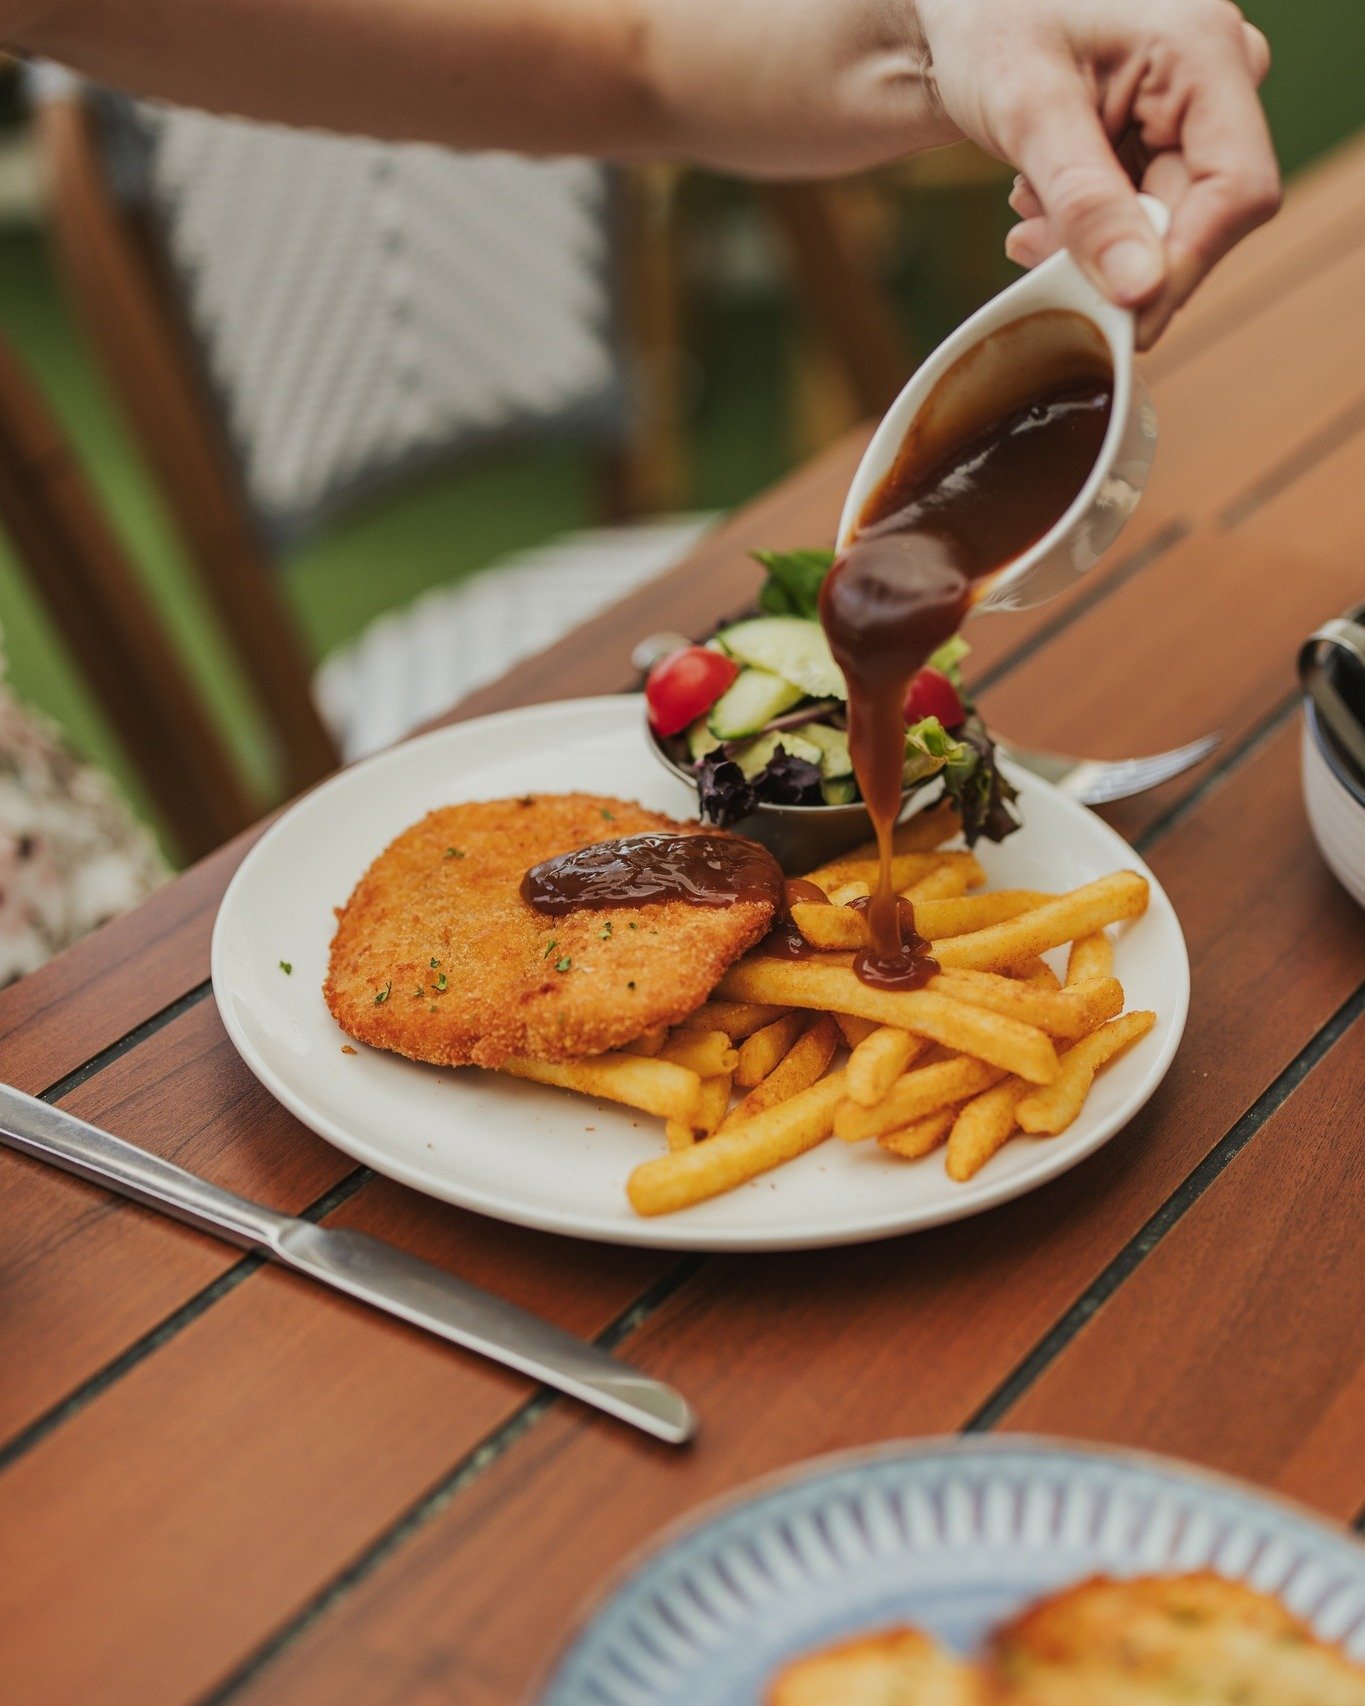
[434, 962]
[454, 853]
[604, 933]
[286, 967]
[419, 992]
[384, 994]
[441, 982]
[633, 924]
[610, 816]
[564, 964]
[550, 947]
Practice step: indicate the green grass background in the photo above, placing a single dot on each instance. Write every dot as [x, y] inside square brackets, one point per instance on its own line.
[738, 433]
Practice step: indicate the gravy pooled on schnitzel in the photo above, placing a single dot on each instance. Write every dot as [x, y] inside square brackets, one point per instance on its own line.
[699, 870]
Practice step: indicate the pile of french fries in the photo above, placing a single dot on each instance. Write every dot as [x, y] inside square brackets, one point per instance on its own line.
[994, 1045]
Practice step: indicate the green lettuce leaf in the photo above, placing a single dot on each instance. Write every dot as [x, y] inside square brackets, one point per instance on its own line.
[929, 748]
[794, 581]
[948, 659]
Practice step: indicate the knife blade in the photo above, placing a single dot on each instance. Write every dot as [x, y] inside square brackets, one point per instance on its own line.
[353, 1262]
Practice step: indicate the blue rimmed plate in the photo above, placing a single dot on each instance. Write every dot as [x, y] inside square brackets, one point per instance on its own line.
[950, 1535]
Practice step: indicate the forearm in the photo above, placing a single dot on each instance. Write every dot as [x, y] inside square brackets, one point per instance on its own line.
[532, 75]
[782, 86]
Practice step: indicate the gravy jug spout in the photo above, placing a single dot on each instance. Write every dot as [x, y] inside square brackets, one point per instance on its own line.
[1050, 326]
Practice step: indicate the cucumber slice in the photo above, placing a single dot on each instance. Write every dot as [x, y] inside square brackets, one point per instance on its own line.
[839, 790]
[753, 757]
[753, 698]
[791, 647]
[700, 740]
[833, 744]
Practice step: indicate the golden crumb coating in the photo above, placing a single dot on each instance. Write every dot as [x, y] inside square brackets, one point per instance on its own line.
[895, 1667]
[1156, 1640]
[436, 955]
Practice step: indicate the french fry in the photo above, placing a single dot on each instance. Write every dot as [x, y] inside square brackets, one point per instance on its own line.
[738, 1019]
[830, 926]
[798, 1069]
[906, 868]
[711, 1106]
[712, 1103]
[841, 927]
[649, 1042]
[948, 882]
[677, 1180]
[921, 1136]
[855, 1029]
[760, 1053]
[1037, 972]
[993, 1037]
[706, 1053]
[1060, 1012]
[878, 1061]
[936, 919]
[1091, 956]
[1052, 1111]
[654, 1086]
[849, 891]
[910, 1098]
[921, 833]
[983, 1126]
[1080, 913]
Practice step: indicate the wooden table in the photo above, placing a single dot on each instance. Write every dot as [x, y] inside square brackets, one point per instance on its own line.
[220, 1482]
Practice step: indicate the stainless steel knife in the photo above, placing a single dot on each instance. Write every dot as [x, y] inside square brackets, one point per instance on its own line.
[353, 1262]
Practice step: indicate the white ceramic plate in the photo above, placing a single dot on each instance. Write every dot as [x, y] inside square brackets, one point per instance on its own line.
[541, 1157]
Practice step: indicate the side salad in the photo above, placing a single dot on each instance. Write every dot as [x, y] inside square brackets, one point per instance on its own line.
[759, 713]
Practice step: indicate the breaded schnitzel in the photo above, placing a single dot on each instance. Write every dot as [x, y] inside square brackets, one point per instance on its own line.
[436, 955]
[897, 1667]
[1198, 1639]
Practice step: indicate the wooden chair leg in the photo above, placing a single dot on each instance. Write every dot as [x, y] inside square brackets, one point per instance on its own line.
[81, 574]
[113, 271]
[648, 473]
[842, 298]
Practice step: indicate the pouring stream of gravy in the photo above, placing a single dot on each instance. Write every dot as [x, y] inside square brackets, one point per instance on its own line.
[933, 530]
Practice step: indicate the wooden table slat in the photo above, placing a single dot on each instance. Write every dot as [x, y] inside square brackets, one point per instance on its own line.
[286, 1425]
[84, 1274]
[1238, 1344]
[88, 998]
[1128, 673]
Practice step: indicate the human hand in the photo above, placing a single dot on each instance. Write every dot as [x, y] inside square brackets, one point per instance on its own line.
[1090, 98]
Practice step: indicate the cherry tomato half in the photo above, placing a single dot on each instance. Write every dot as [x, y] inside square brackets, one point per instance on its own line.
[931, 694]
[684, 684]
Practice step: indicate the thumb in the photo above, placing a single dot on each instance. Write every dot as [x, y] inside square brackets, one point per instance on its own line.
[1086, 195]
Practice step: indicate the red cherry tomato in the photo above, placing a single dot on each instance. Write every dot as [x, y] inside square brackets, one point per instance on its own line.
[684, 684]
[931, 694]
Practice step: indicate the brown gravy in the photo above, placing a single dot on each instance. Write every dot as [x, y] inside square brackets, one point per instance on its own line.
[635, 870]
[932, 528]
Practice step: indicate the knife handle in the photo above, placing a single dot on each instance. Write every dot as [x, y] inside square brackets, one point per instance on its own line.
[37, 1128]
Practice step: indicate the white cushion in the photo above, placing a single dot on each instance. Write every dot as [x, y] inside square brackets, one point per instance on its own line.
[411, 664]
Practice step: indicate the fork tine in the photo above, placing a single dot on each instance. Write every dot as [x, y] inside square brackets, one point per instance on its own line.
[1106, 783]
